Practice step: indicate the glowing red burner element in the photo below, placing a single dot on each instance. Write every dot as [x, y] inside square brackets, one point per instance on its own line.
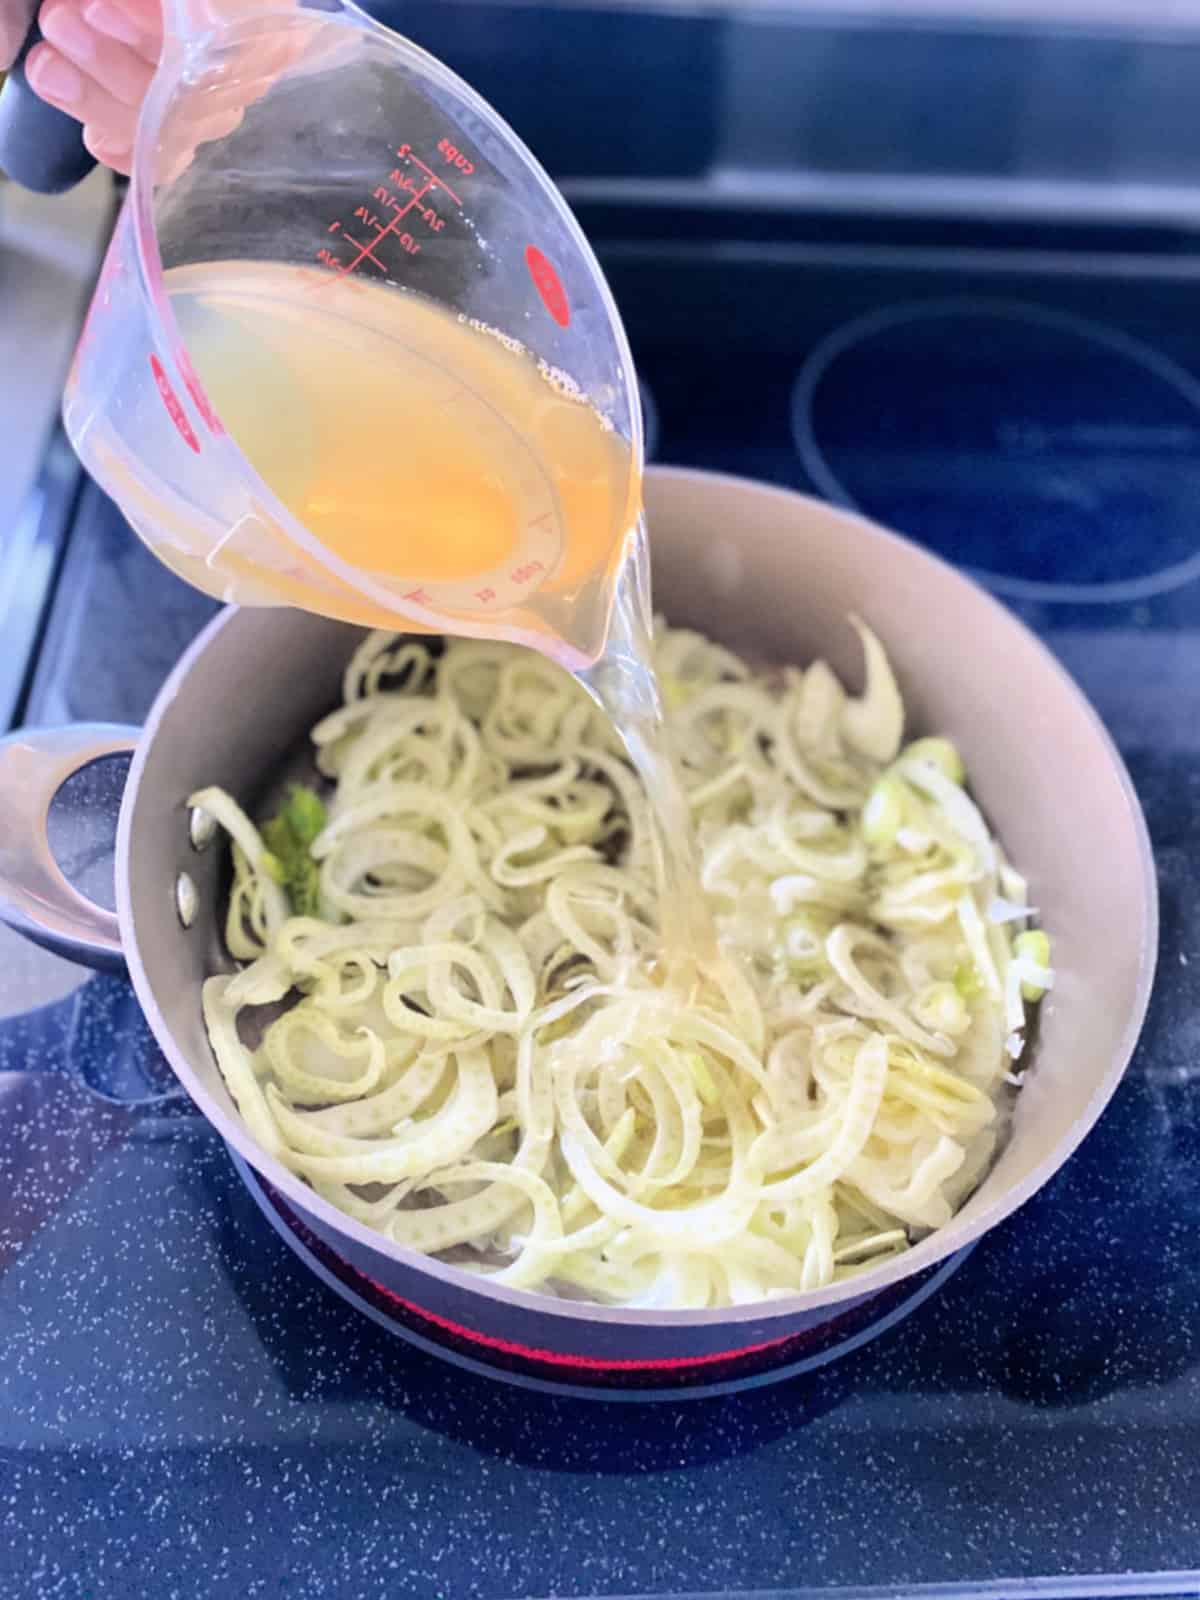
[556, 1359]
[549, 285]
[599, 1377]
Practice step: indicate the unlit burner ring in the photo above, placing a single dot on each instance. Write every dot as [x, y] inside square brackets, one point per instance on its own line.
[1052, 456]
[649, 419]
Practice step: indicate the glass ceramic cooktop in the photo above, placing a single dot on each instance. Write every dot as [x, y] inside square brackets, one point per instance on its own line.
[186, 1409]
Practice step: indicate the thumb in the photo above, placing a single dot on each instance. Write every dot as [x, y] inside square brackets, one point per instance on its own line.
[15, 17]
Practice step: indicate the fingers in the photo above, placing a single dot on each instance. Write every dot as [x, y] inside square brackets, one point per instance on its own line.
[136, 23]
[123, 73]
[98, 57]
[13, 24]
[95, 63]
[107, 121]
[111, 149]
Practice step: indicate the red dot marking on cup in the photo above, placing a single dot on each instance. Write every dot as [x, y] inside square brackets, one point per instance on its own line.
[549, 285]
[199, 398]
[171, 400]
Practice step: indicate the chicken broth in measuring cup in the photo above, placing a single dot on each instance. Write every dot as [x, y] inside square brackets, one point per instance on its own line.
[432, 456]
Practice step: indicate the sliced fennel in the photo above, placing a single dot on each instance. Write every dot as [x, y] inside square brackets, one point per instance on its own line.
[477, 1055]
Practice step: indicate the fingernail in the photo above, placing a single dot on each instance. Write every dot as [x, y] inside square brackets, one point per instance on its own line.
[56, 79]
[112, 20]
[110, 152]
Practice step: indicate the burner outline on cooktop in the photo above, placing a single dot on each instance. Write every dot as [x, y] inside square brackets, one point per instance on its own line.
[278, 1214]
[649, 418]
[848, 334]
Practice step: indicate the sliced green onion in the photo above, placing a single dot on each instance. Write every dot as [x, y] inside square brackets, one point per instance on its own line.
[966, 980]
[883, 814]
[1034, 946]
[939, 753]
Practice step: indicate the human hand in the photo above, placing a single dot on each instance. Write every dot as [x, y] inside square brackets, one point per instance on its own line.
[95, 63]
[98, 56]
[13, 25]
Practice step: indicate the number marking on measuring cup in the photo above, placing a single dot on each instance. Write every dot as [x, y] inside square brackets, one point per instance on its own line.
[401, 195]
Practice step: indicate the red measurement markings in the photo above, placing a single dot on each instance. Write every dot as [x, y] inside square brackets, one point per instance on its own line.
[171, 400]
[368, 250]
[456, 157]
[419, 597]
[199, 399]
[548, 285]
[523, 574]
[405, 152]
[485, 595]
[415, 190]
[386, 198]
[405, 240]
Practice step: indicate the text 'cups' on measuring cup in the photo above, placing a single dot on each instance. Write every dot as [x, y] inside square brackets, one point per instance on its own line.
[349, 349]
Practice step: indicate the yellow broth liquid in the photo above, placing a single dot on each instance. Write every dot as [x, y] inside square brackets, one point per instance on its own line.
[417, 448]
[435, 459]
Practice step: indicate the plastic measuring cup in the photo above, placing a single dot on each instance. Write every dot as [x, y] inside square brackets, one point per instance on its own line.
[364, 168]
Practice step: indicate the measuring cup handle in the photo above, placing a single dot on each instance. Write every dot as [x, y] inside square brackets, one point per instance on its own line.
[41, 148]
[35, 896]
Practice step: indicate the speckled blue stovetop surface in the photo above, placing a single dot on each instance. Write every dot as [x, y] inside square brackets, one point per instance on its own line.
[184, 1411]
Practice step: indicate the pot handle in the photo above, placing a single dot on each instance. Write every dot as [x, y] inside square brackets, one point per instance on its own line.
[36, 898]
